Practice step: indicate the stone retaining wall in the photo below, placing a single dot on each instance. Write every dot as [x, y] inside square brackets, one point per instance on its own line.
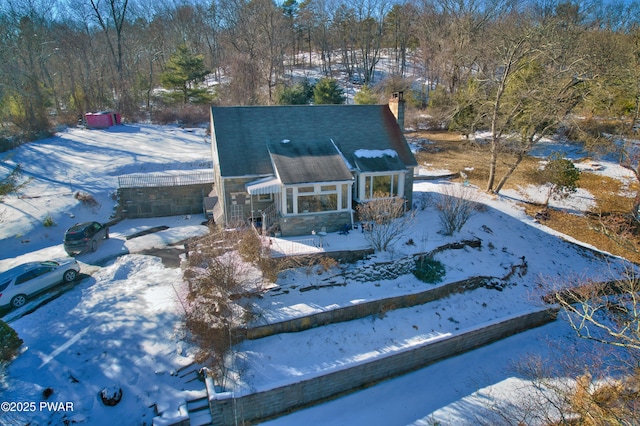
[361, 310]
[227, 410]
[162, 201]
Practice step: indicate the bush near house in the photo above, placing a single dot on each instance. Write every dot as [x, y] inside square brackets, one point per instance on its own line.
[429, 270]
[385, 220]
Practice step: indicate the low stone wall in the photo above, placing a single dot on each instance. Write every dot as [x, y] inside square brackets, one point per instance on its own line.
[342, 256]
[227, 410]
[303, 224]
[147, 202]
[361, 310]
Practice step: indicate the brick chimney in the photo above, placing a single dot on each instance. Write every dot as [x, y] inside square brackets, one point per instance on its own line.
[396, 105]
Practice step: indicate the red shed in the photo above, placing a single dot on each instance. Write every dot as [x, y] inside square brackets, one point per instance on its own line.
[102, 120]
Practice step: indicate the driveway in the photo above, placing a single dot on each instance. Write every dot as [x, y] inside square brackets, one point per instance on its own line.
[160, 237]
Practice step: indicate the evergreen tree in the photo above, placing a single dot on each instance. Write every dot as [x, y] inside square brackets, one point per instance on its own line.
[184, 71]
[561, 177]
[299, 94]
[327, 91]
[365, 96]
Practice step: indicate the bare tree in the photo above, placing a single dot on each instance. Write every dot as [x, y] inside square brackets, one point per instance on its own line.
[616, 58]
[604, 312]
[111, 16]
[215, 272]
[533, 86]
[385, 220]
[223, 268]
[455, 207]
[596, 380]
[574, 385]
[315, 19]
[256, 31]
[27, 51]
[399, 27]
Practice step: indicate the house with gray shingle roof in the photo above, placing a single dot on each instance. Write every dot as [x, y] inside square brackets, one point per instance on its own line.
[305, 167]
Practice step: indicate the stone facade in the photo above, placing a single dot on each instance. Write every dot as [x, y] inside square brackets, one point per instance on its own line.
[408, 188]
[304, 224]
[235, 193]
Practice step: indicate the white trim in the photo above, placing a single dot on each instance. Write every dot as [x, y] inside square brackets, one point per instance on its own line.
[317, 191]
[268, 185]
[362, 177]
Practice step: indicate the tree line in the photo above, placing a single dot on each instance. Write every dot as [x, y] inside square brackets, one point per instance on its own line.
[492, 64]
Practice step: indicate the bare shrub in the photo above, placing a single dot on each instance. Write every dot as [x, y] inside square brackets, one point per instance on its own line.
[594, 381]
[255, 250]
[270, 268]
[622, 229]
[221, 272]
[86, 199]
[327, 263]
[165, 116]
[185, 115]
[421, 201]
[250, 246]
[214, 273]
[193, 115]
[561, 390]
[384, 220]
[456, 205]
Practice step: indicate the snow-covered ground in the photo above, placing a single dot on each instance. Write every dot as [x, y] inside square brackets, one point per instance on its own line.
[121, 323]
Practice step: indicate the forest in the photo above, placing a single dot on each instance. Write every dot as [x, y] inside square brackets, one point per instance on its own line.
[524, 67]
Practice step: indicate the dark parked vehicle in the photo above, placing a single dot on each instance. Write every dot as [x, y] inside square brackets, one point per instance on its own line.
[19, 283]
[84, 236]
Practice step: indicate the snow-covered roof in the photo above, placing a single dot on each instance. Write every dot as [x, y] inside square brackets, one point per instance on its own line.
[375, 153]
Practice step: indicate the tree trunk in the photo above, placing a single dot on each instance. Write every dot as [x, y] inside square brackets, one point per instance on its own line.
[492, 166]
[510, 171]
[636, 206]
[636, 200]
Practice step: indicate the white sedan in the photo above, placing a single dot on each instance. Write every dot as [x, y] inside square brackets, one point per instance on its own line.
[23, 281]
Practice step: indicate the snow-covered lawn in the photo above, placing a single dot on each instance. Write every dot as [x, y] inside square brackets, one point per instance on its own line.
[89, 162]
[508, 238]
[121, 325]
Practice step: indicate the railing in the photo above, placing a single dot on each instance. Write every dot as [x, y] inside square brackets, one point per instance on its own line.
[281, 247]
[160, 180]
[269, 216]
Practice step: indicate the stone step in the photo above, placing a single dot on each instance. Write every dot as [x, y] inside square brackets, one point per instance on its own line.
[199, 414]
[198, 404]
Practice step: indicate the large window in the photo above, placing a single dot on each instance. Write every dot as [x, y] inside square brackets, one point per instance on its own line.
[381, 186]
[317, 198]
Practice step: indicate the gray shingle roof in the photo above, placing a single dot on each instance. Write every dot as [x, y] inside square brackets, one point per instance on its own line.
[304, 161]
[243, 134]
